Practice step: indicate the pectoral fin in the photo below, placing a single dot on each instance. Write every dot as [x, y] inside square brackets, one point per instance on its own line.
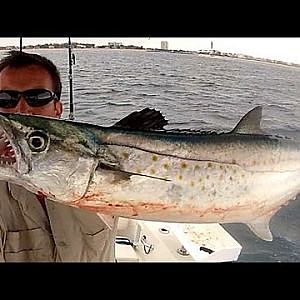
[260, 227]
[121, 174]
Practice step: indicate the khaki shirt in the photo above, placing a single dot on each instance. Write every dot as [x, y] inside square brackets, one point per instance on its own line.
[66, 234]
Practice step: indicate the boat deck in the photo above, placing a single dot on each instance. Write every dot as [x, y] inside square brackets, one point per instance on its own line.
[147, 241]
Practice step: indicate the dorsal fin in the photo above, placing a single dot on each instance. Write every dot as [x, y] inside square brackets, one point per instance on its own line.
[144, 119]
[250, 122]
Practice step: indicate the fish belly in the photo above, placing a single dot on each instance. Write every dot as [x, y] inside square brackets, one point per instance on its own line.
[189, 191]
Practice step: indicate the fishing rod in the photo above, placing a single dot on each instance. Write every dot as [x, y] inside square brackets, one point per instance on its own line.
[71, 62]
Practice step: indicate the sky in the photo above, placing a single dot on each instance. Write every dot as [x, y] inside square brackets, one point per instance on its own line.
[285, 49]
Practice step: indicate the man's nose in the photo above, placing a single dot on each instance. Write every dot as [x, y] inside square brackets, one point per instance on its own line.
[22, 106]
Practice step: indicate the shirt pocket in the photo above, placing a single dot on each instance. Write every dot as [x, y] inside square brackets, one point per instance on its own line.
[28, 245]
[99, 244]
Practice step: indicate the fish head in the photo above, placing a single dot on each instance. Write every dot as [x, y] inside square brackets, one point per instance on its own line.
[31, 146]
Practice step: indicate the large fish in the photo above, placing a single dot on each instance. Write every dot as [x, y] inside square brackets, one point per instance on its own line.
[136, 169]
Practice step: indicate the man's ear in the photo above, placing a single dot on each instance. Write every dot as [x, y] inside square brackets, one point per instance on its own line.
[58, 108]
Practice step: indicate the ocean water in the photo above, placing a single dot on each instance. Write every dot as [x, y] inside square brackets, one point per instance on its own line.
[195, 92]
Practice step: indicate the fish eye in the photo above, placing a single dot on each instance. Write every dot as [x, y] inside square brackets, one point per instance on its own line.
[37, 141]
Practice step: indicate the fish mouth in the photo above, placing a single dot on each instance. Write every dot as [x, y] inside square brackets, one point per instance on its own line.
[7, 152]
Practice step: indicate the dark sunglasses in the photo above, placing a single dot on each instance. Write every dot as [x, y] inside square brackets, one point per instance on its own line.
[33, 97]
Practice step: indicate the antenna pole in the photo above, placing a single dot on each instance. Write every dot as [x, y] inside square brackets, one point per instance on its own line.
[20, 43]
[71, 115]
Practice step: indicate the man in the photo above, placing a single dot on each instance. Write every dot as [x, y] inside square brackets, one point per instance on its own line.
[33, 228]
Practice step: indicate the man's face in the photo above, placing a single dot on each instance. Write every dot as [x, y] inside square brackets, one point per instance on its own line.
[26, 78]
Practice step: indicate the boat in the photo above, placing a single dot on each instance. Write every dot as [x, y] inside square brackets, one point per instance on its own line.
[153, 241]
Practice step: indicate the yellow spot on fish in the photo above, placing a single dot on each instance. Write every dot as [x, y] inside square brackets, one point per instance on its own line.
[154, 157]
[152, 171]
[180, 177]
[207, 176]
[230, 178]
[196, 167]
[183, 165]
[125, 155]
[234, 161]
[192, 183]
[203, 188]
[166, 166]
[138, 171]
[209, 165]
[221, 167]
[200, 179]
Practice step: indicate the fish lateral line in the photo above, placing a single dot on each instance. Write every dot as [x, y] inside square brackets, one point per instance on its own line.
[198, 160]
[172, 155]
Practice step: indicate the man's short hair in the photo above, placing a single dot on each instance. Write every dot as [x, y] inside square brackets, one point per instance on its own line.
[18, 59]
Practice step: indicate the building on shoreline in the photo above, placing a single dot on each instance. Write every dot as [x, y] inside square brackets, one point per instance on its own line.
[164, 45]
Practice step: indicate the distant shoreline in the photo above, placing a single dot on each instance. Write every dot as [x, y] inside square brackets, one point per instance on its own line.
[201, 53]
[259, 60]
